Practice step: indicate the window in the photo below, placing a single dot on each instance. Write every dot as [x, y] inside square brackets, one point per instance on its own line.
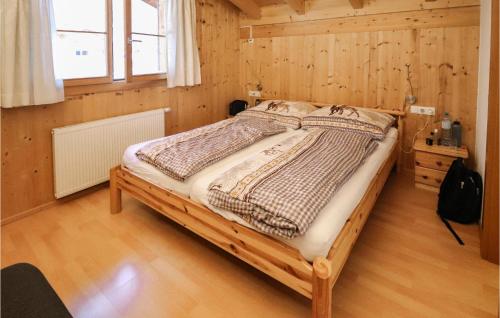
[101, 41]
[146, 39]
[82, 44]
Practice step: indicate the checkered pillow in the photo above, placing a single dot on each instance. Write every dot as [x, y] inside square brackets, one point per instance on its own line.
[351, 118]
[286, 113]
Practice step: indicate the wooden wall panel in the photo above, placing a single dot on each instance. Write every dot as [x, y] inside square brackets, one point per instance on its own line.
[369, 69]
[26, 132]
[334, 53]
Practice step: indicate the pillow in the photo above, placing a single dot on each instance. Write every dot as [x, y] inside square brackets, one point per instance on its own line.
[350, 118]
[286, 113]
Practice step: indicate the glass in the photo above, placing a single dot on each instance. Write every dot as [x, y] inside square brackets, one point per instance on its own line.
[149, 54]
[78, 15]
[148, 17]
[118, 40]
[80, 55]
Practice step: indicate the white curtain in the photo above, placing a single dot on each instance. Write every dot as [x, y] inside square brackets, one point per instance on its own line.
[27, 76]
[183, 62]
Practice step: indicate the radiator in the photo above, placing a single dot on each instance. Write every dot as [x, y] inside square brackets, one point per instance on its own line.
[84, 153]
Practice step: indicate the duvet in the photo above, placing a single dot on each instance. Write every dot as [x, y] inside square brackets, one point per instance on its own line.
[182, 155]
[282, 189]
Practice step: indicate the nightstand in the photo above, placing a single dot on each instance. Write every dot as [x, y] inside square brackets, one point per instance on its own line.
[432, 163]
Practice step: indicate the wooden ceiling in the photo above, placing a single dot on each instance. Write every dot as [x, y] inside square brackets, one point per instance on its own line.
[251, 8]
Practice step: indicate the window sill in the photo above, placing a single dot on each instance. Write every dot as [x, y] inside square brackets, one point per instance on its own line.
[111, 87]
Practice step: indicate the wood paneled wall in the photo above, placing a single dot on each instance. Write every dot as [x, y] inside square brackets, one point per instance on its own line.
[27, 181]
[368, 67]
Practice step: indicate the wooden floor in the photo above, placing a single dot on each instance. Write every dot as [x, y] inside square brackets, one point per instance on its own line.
[139, 264]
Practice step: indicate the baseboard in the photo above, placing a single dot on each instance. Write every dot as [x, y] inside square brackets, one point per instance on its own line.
[405, 171]
[29, 212]
[52, 203]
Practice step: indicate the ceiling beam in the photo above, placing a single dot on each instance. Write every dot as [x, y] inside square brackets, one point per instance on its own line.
[298, 5]
[153, 3]
[248, 7]
[356, 4]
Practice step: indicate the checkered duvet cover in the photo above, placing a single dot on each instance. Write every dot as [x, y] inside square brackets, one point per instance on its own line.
[181, 155]
[282, 189]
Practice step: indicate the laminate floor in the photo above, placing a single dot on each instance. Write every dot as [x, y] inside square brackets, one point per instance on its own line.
[140, 264]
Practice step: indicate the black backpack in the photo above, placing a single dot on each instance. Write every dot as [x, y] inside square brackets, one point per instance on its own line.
[460, 196]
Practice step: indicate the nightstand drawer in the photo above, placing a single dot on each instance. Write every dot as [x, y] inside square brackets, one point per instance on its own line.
[429, 176]
[433, 161]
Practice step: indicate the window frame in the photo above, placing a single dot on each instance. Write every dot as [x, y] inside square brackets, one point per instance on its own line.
[129, 77]
[77, 86]
[109, 51]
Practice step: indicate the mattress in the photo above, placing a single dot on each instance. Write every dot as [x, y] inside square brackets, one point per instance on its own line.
[324, 230]
[155, 176]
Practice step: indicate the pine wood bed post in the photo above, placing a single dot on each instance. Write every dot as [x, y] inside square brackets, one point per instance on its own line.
[322, 289]
[115, 193]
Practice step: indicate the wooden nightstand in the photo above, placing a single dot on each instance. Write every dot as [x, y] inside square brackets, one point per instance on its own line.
[432, 163]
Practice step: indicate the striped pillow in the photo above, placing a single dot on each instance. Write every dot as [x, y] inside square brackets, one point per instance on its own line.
[350, 118]
[286, 113]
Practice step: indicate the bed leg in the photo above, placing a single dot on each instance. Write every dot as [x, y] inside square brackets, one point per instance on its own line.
[322, 291]
[115, 193]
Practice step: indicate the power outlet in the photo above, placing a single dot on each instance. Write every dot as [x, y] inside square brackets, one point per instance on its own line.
[423, 110]
[254, 94]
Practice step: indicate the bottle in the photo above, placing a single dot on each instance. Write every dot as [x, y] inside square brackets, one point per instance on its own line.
[446, 130]
[429, 141]
[457, 134]
[435, 137]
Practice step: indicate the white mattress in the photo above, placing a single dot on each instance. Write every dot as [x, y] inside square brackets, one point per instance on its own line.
[325, 228]
[155, 176]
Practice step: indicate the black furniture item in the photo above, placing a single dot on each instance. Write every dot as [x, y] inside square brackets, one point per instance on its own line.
[26, 293]
[237, 106]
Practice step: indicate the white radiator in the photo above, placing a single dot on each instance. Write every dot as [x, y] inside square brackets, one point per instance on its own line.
[84, 153]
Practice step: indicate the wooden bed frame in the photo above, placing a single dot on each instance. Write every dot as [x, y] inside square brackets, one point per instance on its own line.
[273, 257]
